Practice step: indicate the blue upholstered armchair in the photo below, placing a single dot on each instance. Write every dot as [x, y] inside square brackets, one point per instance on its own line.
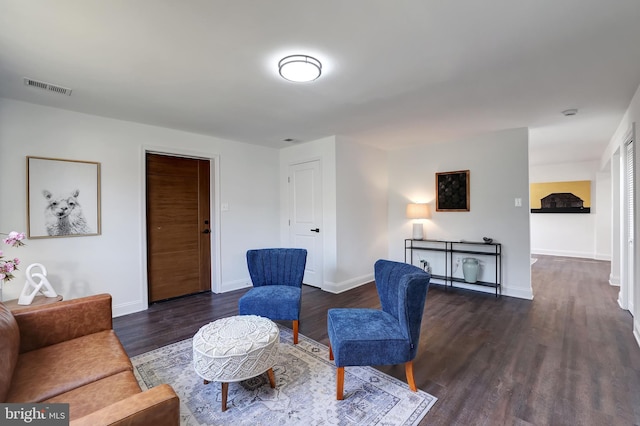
[359, 336]
[276, 274]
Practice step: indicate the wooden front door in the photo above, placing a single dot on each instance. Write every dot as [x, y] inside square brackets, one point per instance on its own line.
[178, 226]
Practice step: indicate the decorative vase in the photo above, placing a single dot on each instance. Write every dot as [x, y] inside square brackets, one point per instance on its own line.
[470, 267]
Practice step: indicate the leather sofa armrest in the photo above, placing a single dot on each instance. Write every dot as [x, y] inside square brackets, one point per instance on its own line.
[158, 406]
[58, 322]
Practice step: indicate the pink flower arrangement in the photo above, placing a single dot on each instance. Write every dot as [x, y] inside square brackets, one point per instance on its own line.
[8, 266]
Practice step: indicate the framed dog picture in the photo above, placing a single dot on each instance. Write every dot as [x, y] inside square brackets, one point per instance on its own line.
[452, 191]
[63, 198]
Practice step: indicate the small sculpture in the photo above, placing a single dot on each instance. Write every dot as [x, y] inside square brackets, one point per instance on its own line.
[487, 240]
[31, 287]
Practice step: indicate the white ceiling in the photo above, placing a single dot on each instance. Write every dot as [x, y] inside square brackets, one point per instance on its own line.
[395, 73]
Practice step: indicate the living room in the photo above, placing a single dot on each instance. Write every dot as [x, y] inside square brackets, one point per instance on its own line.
[366, 187]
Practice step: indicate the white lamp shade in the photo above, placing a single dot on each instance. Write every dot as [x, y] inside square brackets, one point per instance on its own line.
[418, 211]
[300, 68]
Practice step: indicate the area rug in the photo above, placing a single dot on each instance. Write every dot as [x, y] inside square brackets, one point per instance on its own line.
[304, 393]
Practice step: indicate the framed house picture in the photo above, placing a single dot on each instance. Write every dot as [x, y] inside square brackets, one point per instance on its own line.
[63, 198]
[560, 197]
[452, 191]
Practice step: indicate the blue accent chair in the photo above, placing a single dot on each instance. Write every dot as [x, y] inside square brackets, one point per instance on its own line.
[276, 274]
[360, 336]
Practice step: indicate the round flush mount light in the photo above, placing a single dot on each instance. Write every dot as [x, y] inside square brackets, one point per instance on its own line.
[569, 112]
[300, 68]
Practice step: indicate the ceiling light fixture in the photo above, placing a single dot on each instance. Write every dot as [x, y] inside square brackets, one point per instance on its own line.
[300, 68]
[569, 112]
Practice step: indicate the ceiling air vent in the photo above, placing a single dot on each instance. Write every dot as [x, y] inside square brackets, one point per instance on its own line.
[47, 86]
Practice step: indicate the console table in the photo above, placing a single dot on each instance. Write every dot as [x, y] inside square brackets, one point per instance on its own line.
[449, 249]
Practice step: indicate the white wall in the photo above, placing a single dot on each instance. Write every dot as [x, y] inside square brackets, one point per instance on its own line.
[616, 200]
[611, 154]
[498, 164]
[354, 187]
[574, 235]
[362, 187]
[114, 261]
[602, 205]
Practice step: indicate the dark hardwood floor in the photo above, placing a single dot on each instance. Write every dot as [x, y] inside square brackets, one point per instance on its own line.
[566, 358]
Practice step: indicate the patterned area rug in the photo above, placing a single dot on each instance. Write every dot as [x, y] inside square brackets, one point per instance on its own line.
[304, 393]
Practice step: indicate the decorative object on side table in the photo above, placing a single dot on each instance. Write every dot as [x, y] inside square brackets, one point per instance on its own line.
[8, 266]
[31, 287]
[487, 240]
[470, 266]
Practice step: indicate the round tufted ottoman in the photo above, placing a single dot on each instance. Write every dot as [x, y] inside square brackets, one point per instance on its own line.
[234, 349]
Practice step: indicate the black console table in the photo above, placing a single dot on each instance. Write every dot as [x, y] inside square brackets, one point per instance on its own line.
[450, 248]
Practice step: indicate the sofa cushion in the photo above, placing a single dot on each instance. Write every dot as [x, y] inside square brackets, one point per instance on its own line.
[94, 396]
[10, 338]
[44, 373]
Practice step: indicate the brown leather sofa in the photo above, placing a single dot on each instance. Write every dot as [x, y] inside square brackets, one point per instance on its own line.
[67, 352]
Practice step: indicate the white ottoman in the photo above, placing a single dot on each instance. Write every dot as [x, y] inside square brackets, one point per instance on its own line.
[234, 349]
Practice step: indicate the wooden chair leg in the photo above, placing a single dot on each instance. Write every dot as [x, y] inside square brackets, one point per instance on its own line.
[408, 368]
[295, 332]
[225, 391]
[272, 378]
[340, 384]
[330, 352]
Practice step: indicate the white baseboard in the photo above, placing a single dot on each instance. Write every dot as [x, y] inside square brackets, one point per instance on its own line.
[347, 285]
[636, 331]
[506, 291]
[614, 280]
[520, 293]
[585, 255]
[128, 308]
[235, 285]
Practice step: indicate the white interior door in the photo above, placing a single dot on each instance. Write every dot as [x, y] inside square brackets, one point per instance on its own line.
[305, 216]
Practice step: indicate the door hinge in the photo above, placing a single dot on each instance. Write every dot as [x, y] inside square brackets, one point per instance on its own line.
[289, 222]
[288, 179]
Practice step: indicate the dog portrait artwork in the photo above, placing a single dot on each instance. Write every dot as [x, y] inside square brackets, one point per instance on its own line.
[63, 214]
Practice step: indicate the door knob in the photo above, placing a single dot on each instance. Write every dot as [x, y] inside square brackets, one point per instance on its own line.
[206, 231]
[315, 230]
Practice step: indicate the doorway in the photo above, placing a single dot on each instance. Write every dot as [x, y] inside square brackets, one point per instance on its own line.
[178, 226]
[629, 251]
[305, 217]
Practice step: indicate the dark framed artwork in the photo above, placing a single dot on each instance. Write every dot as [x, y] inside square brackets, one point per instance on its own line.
[452, 191]
[63, 198]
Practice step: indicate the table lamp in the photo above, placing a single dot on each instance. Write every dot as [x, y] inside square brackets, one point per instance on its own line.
[418, 211]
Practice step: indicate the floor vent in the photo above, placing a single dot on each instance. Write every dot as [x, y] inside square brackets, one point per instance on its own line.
[47, 86]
